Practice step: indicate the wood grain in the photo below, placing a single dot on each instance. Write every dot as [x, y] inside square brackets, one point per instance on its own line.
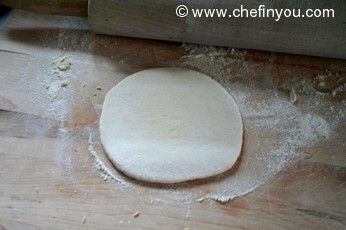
[158, 20]
[42, 187]
[63, 7]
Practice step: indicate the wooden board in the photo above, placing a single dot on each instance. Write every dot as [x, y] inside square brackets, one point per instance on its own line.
[47, 179]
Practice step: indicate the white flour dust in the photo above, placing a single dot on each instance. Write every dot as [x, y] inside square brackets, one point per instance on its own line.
[276, 130]
[56, 96]
[46, 90]
[51, 79]
[106, 173]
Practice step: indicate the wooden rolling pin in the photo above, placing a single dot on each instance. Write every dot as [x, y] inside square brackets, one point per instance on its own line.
[157, 19]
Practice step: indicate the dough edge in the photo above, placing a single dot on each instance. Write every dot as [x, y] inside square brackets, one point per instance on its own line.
[152, 180]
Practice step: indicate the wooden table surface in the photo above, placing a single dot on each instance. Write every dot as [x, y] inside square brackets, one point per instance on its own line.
[48, 179]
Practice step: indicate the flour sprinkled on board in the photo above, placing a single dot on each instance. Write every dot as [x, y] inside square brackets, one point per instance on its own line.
[313, 126]
[59, 78]
[281, 128]
[106, 173]
[276, 130]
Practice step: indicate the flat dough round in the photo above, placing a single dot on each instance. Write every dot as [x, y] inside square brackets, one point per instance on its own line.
[170, 125]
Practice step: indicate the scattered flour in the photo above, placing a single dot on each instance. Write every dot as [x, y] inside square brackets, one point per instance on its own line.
[339, 90]
[106, 174]
[313, 126]
[136, 214]
[293, 95]
[59, 78]
[43, 91]
[64, 64]
[276, 130]
[84, 220]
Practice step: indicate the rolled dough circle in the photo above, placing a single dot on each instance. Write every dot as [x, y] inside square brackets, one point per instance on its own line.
[170, 125]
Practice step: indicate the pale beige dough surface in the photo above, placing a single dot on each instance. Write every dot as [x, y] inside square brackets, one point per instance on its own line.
[171, 125]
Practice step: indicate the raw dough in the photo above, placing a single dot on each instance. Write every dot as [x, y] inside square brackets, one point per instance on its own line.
[170, 125]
